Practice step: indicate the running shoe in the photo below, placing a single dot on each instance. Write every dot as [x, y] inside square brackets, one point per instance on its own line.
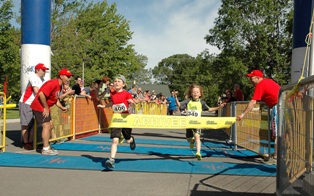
[50, 151]
[110, 163]
[198, 156]
[28, 146]
[132, 144]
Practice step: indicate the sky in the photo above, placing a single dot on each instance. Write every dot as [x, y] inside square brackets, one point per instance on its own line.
[162, 28]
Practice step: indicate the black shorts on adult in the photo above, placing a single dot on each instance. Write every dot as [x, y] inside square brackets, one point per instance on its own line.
[40, 118]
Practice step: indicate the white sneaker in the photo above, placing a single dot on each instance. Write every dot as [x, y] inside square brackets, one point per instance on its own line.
[50, 151]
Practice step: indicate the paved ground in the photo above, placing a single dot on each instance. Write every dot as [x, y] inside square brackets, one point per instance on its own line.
[36, 181]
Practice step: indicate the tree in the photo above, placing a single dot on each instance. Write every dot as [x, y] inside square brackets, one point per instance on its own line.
[9, 49]
[253, 35]
[96, 35]
[181, 70]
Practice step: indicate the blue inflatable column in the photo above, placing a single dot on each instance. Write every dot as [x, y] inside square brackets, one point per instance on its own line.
[35, 39]
[301, 26]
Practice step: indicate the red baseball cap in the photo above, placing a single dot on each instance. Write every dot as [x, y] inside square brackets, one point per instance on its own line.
[41, 66]
[65, 71]
[255, 73]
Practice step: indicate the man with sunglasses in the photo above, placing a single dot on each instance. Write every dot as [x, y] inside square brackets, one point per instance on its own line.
[47, 96]
[26, 113]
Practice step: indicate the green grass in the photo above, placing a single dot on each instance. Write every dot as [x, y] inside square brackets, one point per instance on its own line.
[13, 114]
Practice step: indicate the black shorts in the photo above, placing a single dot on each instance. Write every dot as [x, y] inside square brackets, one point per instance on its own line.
[190, 132]
[116, 133]
[40, 118]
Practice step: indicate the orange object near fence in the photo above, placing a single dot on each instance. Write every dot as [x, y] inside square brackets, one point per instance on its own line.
[87, 117]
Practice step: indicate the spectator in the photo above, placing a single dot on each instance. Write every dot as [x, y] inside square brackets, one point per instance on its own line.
[193, 106]
[90, 91]
[47, 96]
[147, 95]
[104, 90]
[153, 96]
[173, 102]
[120, 104]
[163, 99]
[66, 91]
[26, 112]
[237, 93]
[140, 95]
[94, 92]
[229, 96]
[1, 99]
[77, 86]
[133, 91]
[266, 90]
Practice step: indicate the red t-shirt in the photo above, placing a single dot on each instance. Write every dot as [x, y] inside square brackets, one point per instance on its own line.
[238, 95]
[121, 98]
[267, 90]
[51, 90]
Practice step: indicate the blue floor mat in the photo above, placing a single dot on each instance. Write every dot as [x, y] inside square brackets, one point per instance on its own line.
[154, 150]
[210, 144]
[87, 162]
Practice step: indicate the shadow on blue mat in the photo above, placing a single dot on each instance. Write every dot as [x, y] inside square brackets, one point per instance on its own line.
[155, 150]
[87, 162]
[209, 144]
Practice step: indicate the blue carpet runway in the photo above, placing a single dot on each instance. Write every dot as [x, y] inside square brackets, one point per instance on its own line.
[160, 162]
[87, 162]
[209, 144]
[154, 150]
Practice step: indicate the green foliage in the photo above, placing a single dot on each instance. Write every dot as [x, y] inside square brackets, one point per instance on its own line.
[13, 114]
[181, 70]
[9, 50]
[93, 34]
[249, 34]
[257, 34]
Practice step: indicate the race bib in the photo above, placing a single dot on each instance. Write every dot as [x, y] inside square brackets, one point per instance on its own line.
[193, 113]
[118, 108]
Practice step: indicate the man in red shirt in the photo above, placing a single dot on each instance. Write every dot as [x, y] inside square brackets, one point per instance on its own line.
[266, 90]
[47, 96]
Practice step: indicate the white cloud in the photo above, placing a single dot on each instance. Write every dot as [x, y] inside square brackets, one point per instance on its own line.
[166, 27]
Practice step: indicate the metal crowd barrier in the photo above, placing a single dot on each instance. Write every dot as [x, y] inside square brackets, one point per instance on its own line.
[253, 131]
[3, 114]
[84, 118]
[295, 136]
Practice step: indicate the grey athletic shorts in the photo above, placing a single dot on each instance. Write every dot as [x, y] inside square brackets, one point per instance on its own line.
[26, 114]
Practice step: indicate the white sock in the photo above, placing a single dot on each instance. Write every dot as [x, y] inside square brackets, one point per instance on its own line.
[46, 148]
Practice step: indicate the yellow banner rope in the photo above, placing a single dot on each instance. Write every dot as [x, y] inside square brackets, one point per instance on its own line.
[169, 122]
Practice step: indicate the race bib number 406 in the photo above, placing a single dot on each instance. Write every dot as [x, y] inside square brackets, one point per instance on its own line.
[118, 108]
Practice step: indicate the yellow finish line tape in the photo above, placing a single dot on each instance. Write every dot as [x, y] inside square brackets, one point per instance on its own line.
[169, 122]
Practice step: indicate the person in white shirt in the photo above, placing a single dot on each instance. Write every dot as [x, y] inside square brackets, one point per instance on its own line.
[26, 113]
